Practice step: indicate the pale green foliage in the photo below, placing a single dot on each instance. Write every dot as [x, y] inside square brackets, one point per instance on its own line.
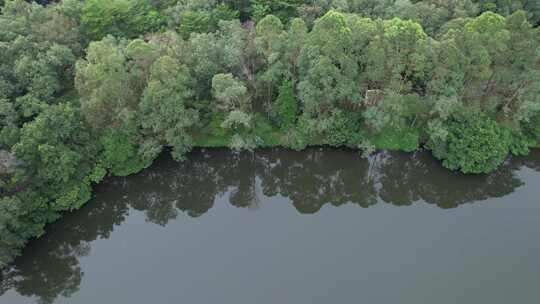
[230, 92]
[296, 39]
[110, 81]
[104, 83]
[270, 39]
[376, 118]
[395, 58]
[395, 110]
[239, 50]
[445, 106]
[432, 14]
[240, 123]
[328, 68]
[207, 60]
[164, 108]
[300, 137]
[237, 120]
[438, 134]
[490, 65]
[281, 50]
[239, 143]
[516, 70]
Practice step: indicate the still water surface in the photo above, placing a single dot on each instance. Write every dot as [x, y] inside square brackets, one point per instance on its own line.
[318, 226]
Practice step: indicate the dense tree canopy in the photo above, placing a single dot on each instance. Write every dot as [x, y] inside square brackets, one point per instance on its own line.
[90, 88]
[125, 18]
[474, 144]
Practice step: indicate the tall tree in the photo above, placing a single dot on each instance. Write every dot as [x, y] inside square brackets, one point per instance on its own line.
[165, 110]
[328, 67]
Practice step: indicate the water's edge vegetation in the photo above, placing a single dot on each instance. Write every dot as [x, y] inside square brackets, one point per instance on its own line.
[97, 87]
[308, 185]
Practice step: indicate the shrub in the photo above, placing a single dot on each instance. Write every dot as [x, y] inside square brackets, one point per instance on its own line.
[287, 105]
[474, 144]
[120, 154]
[403, 139]
[343, 129]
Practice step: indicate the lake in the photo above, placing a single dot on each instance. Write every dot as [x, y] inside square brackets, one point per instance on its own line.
[276, 226]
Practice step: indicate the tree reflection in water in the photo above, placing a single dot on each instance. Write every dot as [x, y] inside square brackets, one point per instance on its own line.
[309, 179]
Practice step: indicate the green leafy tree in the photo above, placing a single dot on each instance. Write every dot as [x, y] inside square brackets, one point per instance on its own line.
[328, 67]
[508, 7]
[241, 125]
[165, 108]
[283, 9]
[120, 153]
[55, 150]
[240, 52]
[473, 144]
[516, 78]
[395, 57]
[259, 11]
[433, 14]
[230, 92]
[222, 12]
[21, 217]
[296, 39]
[343, 129]
[532, 130]
[205, 62]
[39, 47]
[9, 131]
[110, 81]
[194, 22]
[104, 83]
[233, 99]
[287, 106]
[474, 47]
[122, 18]
[281, 50]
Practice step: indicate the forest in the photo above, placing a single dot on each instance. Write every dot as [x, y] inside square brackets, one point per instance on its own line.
[95, 88]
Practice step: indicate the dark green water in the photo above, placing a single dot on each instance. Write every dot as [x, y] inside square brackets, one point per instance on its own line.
[319, 226]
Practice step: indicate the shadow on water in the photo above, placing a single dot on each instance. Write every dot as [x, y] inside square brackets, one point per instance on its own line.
[309, 179]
